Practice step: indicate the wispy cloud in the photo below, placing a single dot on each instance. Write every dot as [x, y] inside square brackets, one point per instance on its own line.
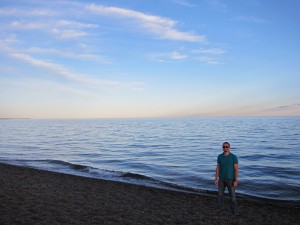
[70, 54]
[286, 107]
[289, 109]
[68, 34]
[58, 69]
[68, 23]
[13, 11]
[162, 27]
[168, 56]
[60, 28]
[73, 76]
[209, 56]
[184, 3]
[215, 51]
[176, 55]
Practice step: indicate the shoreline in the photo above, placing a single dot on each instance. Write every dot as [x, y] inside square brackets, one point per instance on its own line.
[31, 196]
[160, 184]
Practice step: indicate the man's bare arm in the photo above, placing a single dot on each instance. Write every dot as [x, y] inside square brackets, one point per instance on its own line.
[236, 175]
[217, 174]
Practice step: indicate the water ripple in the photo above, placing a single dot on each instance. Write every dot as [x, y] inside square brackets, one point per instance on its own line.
[180, 152]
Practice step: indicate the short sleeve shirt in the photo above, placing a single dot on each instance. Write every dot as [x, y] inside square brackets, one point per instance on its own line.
[227, 166]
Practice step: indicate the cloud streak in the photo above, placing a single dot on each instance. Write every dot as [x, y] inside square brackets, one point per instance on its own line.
[13, 11]
[164, 28]
[285, 107]
[184, 3]
[73, 76]
[60, 28]
[209, 56]
[280, 110]
[214, 51]
[168, 56]
[70, 54]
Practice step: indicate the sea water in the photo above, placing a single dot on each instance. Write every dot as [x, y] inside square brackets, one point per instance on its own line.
[175, 153]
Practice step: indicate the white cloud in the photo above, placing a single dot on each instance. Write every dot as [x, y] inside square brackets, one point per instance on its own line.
[214, 51]
[162, 27]
[68, 34]
[184, 3]
[168, 56]
[68, 23]
[50, 66]
[13, 11]
[70, 54]
[60, 28]
[26, 25]
[209, 55]
[176, 55]
[131, 13]
[73, 76]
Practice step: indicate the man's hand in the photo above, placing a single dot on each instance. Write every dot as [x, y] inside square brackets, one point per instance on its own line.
[235, 183]
[216, 182]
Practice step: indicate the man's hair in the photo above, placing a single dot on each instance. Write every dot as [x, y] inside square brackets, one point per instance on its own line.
[227, 143]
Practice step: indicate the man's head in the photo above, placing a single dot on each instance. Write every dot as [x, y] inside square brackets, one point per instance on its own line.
[226, 146]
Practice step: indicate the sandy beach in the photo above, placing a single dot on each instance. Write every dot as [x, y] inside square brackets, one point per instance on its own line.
[29, 196]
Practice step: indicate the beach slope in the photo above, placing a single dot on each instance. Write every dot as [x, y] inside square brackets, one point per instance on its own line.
[29, 196]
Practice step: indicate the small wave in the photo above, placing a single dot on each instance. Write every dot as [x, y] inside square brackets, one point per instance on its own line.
[67, 164]
[80, 167]
[74, 166]
[47, 164]
[88, 171]
[136, 176]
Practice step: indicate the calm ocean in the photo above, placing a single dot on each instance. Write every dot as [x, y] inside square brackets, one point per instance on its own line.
[175, 153]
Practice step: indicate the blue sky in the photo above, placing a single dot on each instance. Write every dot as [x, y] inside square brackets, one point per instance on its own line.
[147, 58]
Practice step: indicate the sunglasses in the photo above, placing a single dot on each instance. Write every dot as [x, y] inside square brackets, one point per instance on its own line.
[225, 146]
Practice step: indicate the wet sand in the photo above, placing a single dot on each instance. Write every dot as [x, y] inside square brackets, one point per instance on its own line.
[29, 196]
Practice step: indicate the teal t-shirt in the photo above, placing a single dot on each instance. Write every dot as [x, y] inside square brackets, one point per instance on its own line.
[227, 166]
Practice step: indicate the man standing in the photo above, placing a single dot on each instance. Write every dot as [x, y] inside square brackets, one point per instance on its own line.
[227, 176]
